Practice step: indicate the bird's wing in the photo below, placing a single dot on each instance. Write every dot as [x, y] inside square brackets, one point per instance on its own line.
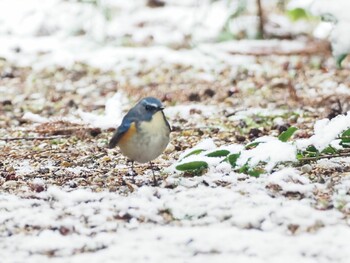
[121, 131]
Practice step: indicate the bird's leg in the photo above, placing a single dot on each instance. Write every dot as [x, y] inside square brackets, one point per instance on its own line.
[132, 167]
[131, 172]
[155, 183]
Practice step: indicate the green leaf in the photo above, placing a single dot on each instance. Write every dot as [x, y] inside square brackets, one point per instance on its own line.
[285, 136]
[192, 166]
[346, 134]
[256, 172]
[252, 145]
[194, 152]
[345, 139]
[300, 155]
[345, 144]
[311, 151]
[225, 33]
[244, 169]
[225, 36]
[329, 150]
[232, 159]
[311, 148]
[218, 153]
[297, 14]
[339, 60]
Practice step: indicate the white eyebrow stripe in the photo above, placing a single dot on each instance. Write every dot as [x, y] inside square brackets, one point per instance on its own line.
[154, 105]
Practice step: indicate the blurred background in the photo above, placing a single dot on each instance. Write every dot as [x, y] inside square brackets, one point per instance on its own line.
[59, 55]
[32, 26]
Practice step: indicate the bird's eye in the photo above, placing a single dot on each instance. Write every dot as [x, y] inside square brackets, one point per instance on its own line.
[150, 107]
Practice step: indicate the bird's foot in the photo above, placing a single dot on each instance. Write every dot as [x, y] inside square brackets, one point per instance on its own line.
[155, 181]
[131, 174]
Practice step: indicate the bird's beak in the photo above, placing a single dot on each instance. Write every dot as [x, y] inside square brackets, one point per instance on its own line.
[161, 108]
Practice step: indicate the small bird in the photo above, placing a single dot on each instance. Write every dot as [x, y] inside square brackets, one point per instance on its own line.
[144, 132]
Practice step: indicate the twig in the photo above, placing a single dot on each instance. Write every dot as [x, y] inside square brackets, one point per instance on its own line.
[234, 113]
[310, 48]
[310, 159]
[34, 138]
[292, 91]
[261, 19]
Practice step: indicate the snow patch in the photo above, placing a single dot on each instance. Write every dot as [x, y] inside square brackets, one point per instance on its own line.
[113, 114]
[270, 152]
[325, 131]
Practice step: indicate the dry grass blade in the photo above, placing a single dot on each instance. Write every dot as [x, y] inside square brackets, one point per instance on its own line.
[34, 138]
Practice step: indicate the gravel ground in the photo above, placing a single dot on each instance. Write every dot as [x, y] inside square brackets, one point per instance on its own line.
[67, 198]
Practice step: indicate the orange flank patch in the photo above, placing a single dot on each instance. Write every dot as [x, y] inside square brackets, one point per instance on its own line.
[127, 135]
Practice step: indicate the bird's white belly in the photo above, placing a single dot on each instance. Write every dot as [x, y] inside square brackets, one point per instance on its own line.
[149, 142]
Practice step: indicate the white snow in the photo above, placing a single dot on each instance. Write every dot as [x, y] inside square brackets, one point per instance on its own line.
[206, 216]
[271, 152]
[112, 117]
[184, 111]
[339, 36]
[34, 117]
[24, 167]
[325, 131]
[291, 181]
[115, 108]
[207, 144]
[256, 46]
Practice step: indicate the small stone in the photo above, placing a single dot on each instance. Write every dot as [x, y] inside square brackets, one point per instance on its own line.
[170, 148]
[306, 168]
[282, 128]
[64, 230]
[254, 133]
[7, 103]
[37, 188]
[9, 184]
[155, 3]
[66, 164]
[73, 184]
[106, 159]
[240, 138]
[232, 91]
[11, 177]
[209, 92]
[43, 170]
[195, 111]
[194, 97]
[72, 104]
[95, 132]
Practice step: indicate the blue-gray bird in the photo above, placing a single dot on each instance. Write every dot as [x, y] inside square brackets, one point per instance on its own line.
[144, 132]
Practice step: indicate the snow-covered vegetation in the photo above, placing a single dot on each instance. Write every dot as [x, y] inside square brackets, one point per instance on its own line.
[257, 169]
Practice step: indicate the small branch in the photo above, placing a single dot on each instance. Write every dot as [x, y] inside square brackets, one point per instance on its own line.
[280, 48]
[292, 91]
[234, 113]
[34, 138]
[261, 19]
[310, 159]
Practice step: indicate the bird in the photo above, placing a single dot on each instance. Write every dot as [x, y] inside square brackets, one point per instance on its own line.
[144, 132]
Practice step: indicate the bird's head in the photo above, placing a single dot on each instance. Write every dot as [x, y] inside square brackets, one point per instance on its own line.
[149, 106]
